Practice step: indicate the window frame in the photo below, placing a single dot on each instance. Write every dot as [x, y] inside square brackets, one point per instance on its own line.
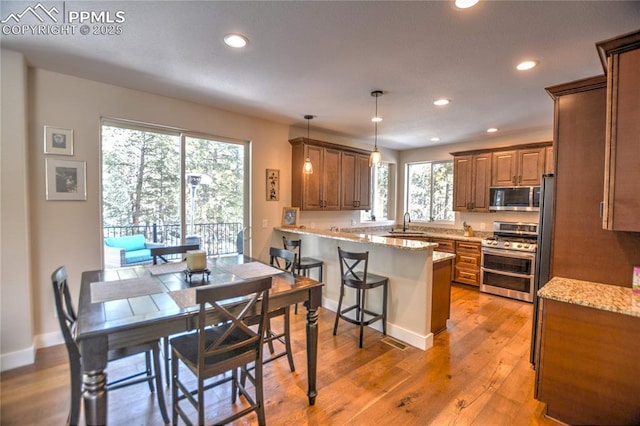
[408, 187]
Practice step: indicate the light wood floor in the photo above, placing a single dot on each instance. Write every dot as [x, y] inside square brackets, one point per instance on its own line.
[478, 373]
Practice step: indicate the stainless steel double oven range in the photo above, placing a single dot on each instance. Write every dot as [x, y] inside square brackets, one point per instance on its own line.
[509, 260]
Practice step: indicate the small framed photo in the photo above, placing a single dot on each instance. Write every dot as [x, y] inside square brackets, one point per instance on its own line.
[58, 141]
[290, 216]
[66, 180]
[273, 185]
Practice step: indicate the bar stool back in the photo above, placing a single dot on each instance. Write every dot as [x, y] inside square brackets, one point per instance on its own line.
[354, 274]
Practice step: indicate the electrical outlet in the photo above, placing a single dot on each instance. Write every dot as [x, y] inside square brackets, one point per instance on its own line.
[265, 223]
[353, 222]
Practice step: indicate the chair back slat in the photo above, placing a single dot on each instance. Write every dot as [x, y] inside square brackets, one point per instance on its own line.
[350, 269]
[234, 303]
[282, 259]
[292, 245]
[64, 309]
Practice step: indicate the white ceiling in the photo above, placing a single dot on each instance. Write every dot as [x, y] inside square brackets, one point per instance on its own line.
[325, 57]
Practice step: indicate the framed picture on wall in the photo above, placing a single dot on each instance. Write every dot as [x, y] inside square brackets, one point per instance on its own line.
[273, 185]
[66, 180]
[290, 216]
[58, 141]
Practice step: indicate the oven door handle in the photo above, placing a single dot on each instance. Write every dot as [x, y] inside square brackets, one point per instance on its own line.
[510, 274]
[509, 253]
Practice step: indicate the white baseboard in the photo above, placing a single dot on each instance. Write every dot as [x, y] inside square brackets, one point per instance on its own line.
[402, 334]
[17, 359]
[27, 356]
[49, 339]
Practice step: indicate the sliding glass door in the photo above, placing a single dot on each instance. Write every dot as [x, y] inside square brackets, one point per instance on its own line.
[174, 187]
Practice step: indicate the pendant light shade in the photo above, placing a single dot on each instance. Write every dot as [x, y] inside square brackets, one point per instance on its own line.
[376, 157]
[307, 168]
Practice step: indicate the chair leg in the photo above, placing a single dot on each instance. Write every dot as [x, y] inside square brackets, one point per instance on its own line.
[76, 392]
[234, 385]
[287, 338]
[167, 359]
[259, 394]
[384, 308]
[147, 357]
[335, 325]
[361, 304]
[269, 334]
[174, 390]
[159, 387]
[200, 400]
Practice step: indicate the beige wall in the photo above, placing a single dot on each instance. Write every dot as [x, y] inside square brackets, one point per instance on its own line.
[69, 232]
[16, 326]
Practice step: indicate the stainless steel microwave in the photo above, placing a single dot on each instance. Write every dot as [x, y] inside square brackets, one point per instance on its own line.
[516, 198]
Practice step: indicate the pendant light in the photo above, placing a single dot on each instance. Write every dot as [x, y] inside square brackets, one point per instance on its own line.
[376, 157]
[308, 167]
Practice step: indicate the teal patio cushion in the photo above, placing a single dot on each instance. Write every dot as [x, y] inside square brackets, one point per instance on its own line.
[136, 256]
[128, 243]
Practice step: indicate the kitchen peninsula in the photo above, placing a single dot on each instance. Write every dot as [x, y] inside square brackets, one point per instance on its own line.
[409, 265]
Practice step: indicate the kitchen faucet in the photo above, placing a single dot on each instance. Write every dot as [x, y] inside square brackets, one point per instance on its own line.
[404, 221]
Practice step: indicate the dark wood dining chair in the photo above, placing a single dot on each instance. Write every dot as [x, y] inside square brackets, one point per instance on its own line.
[303, 264]
[286, 261]
[228, 345]
[355, 274]
[67, 318]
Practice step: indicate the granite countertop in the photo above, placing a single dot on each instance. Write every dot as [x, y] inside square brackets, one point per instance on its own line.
[424, 231]
[611, 298]
[379, 240]
[440, 256]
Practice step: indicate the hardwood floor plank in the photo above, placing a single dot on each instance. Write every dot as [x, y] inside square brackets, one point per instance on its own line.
[477, 373]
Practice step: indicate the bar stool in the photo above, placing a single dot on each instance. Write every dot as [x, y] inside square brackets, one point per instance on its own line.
[303, 264]
[361, 281]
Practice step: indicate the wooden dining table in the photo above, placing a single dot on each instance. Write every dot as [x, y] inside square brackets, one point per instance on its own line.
[128, 306]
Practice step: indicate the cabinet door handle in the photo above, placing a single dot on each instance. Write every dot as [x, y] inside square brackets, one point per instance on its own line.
[520, 179]
[513, 179]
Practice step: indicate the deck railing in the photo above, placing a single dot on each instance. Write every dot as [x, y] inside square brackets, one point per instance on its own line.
[215, 238]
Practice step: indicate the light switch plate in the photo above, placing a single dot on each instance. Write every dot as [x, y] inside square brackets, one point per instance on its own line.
[265, 223]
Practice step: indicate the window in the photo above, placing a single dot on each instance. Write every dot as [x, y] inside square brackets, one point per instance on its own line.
[380, 180]
[173, 187]
[430, 191]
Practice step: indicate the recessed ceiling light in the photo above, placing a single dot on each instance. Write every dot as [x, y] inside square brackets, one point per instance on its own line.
[465, 4]
[435, 139]
[492, 130]
[526, 65]
[376, 119]
[441, 102]
[235, 40]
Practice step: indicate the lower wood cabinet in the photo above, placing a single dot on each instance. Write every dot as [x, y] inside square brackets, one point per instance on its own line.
[441, 298]
[588, 365]
[467, 269]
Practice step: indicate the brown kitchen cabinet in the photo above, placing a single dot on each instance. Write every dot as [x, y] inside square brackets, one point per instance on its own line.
[321, 189]
[441, 297]
[622, 155]
[467, 267]
[445, 245]
[471, 180]
[356, 182]
[521, 167]
[587, 364]
[549, 166]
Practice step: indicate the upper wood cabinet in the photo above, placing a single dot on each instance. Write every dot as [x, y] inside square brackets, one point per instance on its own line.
[319, 190]
[323, 189]
[518, 167]
[549, 166]
[622, 155]
[356, 182]
[471, 179]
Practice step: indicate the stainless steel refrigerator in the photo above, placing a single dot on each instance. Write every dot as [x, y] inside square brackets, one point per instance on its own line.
[543, 254]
